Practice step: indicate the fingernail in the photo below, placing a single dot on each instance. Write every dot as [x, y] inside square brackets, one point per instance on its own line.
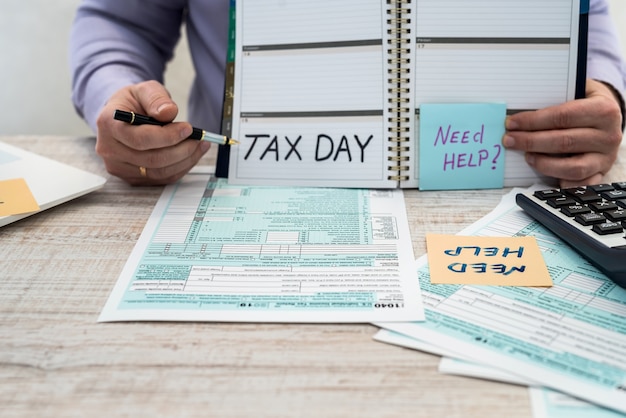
[508, 141]
[163, 106]
[530, 159]
[511, 125]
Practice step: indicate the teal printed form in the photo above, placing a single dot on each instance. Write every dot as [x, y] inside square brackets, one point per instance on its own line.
[570, 337]
[214, 251]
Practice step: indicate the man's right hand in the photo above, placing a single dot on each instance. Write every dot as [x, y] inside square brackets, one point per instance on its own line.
[146, 154]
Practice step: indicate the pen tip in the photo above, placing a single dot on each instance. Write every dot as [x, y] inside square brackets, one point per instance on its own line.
[232, 141]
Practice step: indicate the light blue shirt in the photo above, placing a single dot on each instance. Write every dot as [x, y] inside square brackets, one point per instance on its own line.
[115, 43]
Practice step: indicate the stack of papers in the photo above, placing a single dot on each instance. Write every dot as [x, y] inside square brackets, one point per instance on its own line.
[570, 337]
[218, 252]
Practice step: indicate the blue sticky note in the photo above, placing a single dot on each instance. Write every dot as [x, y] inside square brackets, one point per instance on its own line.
[460, 146]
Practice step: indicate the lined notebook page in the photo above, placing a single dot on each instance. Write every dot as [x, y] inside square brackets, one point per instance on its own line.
[312, 80]
[493, 18]
[518, 53]
[310, 93]
[279, 22]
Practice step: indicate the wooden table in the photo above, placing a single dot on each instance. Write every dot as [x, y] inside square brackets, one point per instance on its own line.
[58, 267]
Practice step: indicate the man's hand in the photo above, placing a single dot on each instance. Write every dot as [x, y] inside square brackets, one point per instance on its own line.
[576, 142]
[146, 154]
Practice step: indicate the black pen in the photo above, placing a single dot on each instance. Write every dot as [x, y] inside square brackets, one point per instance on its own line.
[199, 134]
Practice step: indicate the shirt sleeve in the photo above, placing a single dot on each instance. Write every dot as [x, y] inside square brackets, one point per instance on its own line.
[604, 60]
[115, 43]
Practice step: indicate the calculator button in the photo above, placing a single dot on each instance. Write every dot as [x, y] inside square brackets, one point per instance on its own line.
[602, 206]
[607, 228]
[573, 210]
[601, 187]
[590, 218]
[621, 203]
[619, 185]
[558, 202]
[547, 194]
[616, 215]
[582, 194]
[614, 194]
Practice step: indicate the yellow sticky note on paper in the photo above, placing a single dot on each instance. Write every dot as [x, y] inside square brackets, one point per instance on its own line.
[494, 261]
[16, 198]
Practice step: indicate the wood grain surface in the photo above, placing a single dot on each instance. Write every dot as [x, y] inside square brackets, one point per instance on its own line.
[58, 267]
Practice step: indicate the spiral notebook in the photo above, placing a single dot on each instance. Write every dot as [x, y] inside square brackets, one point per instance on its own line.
[331, 93]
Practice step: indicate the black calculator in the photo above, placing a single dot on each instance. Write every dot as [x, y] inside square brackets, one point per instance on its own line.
[591, 219]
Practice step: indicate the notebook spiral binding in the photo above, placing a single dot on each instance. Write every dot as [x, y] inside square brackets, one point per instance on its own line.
[399, 53]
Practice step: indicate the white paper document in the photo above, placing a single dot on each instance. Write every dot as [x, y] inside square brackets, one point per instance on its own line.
[546, 403]
[570, 337]
[217, 252]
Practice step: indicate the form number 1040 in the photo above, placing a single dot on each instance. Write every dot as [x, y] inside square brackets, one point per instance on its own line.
[388, 305]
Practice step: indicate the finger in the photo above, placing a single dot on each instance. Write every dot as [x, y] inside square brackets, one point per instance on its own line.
[572, 114]
[144, 176]
[150, 137]
[141, 174]
[111, 149]
[137, 144]
[600, 109]
[155, 100]
[595, 179]
[576, 168]
[166, 157]
[562, 141]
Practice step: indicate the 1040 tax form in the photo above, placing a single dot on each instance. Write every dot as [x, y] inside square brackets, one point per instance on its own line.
[217, 252]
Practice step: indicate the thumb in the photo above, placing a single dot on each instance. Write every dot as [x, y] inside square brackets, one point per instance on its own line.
[154, 98]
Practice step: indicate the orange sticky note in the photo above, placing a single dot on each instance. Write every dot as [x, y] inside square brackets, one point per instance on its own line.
[16, 198]
[495, 261]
